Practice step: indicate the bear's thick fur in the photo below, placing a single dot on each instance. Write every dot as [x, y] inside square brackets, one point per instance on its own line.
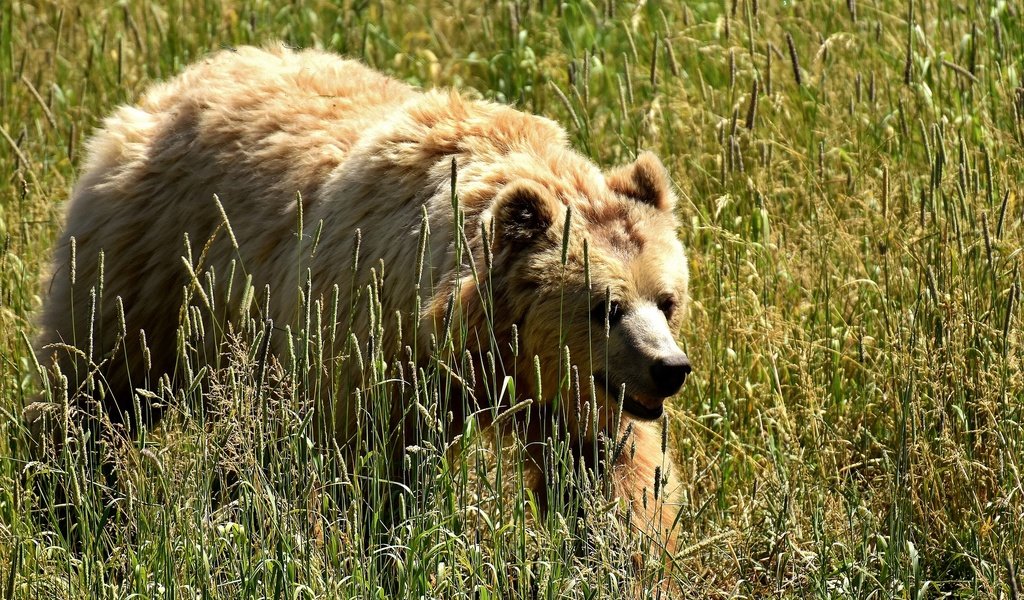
[360, 159]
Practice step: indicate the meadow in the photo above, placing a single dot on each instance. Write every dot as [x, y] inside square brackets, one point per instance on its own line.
[849, 178]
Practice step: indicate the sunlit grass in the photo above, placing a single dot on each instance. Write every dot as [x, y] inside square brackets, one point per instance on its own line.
[849, 175]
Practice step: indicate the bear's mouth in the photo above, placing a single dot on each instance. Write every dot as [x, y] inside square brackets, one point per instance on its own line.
[630, 403]
[636, 409]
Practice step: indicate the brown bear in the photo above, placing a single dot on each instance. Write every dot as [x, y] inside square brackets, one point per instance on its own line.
[319, 178]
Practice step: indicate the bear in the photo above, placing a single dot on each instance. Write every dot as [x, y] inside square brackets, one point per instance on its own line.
[475, 224]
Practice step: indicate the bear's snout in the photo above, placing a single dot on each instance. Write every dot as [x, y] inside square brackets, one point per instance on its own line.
[669, 373]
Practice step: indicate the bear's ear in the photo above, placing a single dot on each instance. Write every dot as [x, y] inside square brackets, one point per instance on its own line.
[523, 211]
[646, 180]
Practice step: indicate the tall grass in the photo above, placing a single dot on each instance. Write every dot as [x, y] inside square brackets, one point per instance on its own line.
[853, 427]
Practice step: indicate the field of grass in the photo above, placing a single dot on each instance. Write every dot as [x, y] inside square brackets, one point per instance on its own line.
[850, 178]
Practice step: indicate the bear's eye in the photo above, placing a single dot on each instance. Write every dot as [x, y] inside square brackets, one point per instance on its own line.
[612, 311]
[667, 306]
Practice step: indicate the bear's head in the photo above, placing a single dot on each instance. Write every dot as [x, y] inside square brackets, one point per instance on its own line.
[604, 297]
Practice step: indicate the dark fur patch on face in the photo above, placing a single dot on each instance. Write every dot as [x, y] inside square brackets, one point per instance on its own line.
[614, 226]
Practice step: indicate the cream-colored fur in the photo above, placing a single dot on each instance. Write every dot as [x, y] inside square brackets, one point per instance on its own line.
[263, 128]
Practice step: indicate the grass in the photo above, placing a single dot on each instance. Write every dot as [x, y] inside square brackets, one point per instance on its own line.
[849, 175]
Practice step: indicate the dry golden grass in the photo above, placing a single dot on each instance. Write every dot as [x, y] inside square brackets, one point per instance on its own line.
[850, 177]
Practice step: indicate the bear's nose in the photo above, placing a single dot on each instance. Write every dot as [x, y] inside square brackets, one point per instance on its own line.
[669, 373]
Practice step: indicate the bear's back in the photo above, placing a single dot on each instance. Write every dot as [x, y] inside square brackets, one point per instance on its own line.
[289, 116]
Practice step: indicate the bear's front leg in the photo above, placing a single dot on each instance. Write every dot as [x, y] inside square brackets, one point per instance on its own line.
[645, 477]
